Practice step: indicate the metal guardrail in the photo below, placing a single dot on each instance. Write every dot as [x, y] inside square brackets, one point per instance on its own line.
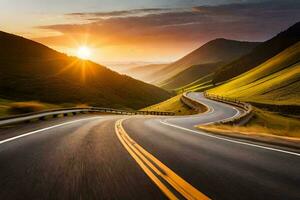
[240, 119]
[54, 113]
[237, 120]
[195, 105]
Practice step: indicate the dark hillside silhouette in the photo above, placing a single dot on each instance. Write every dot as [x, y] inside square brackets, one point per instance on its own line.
[32, 71]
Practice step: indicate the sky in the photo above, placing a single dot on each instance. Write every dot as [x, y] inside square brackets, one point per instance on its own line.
[119, 31]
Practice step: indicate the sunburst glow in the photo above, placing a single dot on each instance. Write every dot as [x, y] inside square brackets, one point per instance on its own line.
[84, 52]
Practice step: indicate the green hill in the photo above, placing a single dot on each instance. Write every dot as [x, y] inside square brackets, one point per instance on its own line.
[32, 71]
[218, 50]
[274, 82]
[260, 54]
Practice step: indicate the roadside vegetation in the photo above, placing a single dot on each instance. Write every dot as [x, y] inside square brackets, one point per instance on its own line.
[263, 123]
[172, 105]
[8, 107]
[4, 107]
[274, 123]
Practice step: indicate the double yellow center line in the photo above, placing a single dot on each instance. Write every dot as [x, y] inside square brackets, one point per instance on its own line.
[165, 179]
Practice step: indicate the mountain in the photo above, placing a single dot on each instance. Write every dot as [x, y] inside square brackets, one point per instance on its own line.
[274, 82]
[218, 50]
[121, 67]
[189, 75]
[145, 72]
[32, 71]
[260, 54]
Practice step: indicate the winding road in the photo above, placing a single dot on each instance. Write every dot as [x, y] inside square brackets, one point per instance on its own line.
[142, 157]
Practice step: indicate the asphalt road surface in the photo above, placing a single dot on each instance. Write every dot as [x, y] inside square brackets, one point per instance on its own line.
[122, 157]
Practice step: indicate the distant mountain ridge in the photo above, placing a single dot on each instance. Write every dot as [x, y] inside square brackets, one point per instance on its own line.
[259, 54]
[218, 50]
[144, 73]
[32, 71]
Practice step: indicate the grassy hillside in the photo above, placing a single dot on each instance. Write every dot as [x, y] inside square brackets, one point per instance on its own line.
[173, 104]
[275, 82]
[218, 50]
[31, 71]
[199, 85]
[260, 54]
[190, 75]
[146, 73]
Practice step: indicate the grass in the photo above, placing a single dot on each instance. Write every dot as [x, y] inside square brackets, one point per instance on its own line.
[265, 123]
[4, 107]
[172, 105]
[275, 82]
[198, 85]
[201, 81]
[8, 107]
[26, 107]
[274, 123]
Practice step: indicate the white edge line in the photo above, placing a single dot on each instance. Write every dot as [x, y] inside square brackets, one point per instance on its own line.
[230, 140]
[44, 129]
[238, 112]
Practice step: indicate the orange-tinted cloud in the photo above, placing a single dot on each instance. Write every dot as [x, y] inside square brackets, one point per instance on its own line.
[154, 33]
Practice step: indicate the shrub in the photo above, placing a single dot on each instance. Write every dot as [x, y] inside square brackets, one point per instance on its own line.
[26, 107]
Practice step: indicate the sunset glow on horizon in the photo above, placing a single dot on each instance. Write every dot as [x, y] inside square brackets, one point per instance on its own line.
[150, 31]
[83, 52]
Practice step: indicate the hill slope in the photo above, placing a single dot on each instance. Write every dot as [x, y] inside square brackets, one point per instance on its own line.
[275, 82]
[260, 54]
[189, 75]
[145, 73]
[218, 50]
[31, 71]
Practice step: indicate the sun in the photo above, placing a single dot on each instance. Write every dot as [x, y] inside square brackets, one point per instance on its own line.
[83, 52]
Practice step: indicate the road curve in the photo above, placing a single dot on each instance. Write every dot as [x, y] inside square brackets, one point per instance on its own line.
[83, 157]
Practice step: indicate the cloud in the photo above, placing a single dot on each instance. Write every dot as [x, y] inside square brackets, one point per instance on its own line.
[120, 13]
[167, 29]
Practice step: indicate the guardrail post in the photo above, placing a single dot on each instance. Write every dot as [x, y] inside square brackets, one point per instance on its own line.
[42, 118]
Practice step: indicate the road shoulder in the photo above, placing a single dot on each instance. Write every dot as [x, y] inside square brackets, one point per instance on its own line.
[288, 143]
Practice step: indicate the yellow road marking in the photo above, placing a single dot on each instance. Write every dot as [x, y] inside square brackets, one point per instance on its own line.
[161, 186]
[146, 161]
